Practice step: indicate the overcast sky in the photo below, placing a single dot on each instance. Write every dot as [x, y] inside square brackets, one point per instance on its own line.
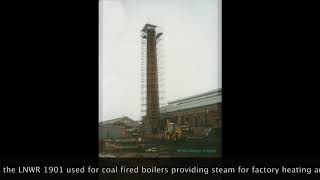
[190, 47]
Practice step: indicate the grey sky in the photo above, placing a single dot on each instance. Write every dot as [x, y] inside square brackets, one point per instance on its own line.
[190, 47]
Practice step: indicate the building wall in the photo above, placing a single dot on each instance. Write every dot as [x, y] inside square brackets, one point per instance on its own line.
[214, 116]
[196, 118]
[111, 132]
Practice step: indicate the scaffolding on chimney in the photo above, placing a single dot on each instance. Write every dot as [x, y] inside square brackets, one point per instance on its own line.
[161, 72]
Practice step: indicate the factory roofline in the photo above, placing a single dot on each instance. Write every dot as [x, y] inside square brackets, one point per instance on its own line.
[116, 120]
[199, 100]
[216, 91]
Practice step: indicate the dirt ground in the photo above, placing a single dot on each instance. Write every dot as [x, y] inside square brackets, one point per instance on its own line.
[191, 148]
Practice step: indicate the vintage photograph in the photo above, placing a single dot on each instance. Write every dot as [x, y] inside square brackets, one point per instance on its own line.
[160, 74]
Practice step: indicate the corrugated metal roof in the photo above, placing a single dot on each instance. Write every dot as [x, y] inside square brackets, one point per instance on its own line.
[211, 93]
[203, 99]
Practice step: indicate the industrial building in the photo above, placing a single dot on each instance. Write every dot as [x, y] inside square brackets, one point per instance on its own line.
[116, 128]
[191, 123]
[124, 121]
[198, 112]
